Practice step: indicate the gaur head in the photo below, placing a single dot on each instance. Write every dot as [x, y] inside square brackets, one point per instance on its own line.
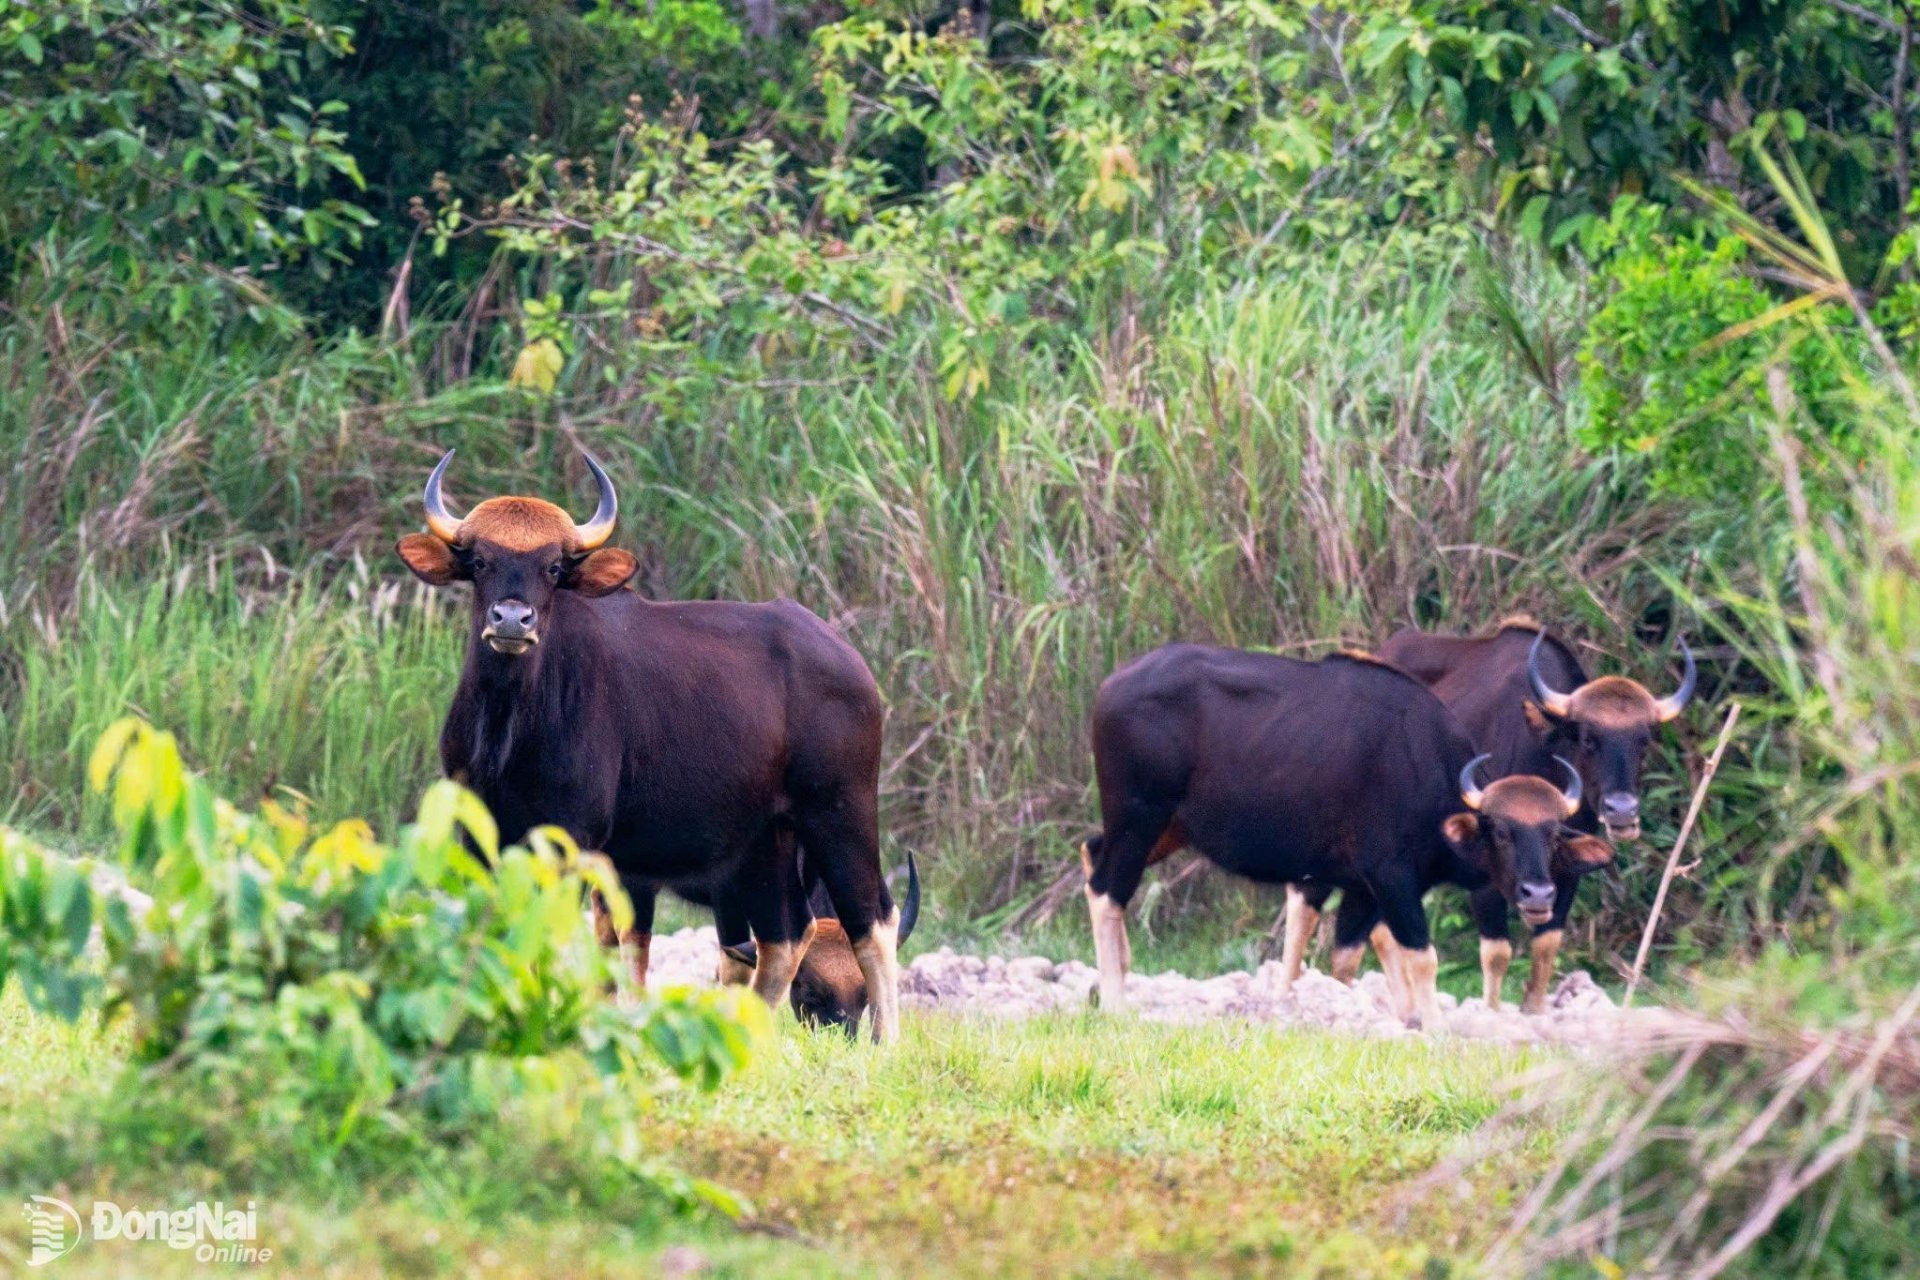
[1516, 829]
[1606, 725]
[828, 989]
[517, 552]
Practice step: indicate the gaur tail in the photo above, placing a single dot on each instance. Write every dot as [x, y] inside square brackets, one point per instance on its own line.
[910, 910]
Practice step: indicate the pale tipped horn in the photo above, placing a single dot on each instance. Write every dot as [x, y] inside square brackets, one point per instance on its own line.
[1570, 798]
[597, 530]
[1674, 703]
[440, 523]
[1560, 704]
[1469, 790]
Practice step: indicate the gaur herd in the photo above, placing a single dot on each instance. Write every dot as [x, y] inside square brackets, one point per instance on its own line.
[731, 753]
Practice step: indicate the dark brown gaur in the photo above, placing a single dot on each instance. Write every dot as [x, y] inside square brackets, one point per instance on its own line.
[1339, 773]
[704, 746]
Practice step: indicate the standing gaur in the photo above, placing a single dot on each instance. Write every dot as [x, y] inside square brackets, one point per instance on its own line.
[1507, 690]
[1343, 772]
[701, 745]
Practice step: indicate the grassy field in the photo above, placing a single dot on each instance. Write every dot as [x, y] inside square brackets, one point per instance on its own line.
[1064, 1146]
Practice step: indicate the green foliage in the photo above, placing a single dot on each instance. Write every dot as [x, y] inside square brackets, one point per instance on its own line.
[174, 146]
[1676, 360]
[340, 990]
[1559, 109]
[443, 97]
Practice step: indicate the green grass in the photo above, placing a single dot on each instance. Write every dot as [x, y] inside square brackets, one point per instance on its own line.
[1064, 1145]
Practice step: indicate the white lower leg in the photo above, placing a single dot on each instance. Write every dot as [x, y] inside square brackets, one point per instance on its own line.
[1110, 948]
[878, 954]
[733, 972]
[1393, 965]
[1495, 955]
[1422, 971]
[1302, 920]
[638, 949]
[1546, 951]
[1346, 963]
[775, 963]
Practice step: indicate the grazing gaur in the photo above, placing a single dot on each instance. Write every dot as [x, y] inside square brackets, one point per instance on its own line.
[1342, 772]
[1525, 700]
[700, 745]
[828, 989]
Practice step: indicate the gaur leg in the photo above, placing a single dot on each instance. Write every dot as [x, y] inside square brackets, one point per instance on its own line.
[735, 932]
[840, 831]
[1393, 965]
[637, 942]
[1116, 859]
[1303, 917]
[1355, 920]
[768, 891]
[1490, 913]
[1546, 944]
[1406, 919]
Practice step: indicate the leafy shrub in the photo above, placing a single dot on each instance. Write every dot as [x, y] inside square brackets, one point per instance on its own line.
[1676, 360]
[172, 143]
[331, 986]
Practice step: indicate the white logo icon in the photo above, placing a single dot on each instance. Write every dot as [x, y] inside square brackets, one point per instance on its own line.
[54, 1227]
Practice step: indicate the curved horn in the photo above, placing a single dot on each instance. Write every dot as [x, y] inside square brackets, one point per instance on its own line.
[910, 910]
[440, 523]
[597, 530]
[1470, 792]
[1674, 703]
[1560, 704]
[1571, 796]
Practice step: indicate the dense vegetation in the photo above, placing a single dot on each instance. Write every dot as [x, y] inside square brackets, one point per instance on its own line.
[1014, 342]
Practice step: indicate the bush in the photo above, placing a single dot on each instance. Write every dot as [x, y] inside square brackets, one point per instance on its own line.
[337, 990]
[1675, 362]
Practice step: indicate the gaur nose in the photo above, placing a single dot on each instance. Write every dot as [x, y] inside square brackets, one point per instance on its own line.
[1619, 805]
[511, 616]
[1537, 895]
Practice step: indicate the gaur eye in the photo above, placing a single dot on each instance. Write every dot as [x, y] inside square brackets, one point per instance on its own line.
[477, 564]
[556, 569]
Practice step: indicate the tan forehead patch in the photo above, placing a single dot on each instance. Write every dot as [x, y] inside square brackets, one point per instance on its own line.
[1614, 702]
[518, 524]
[1526, 800]
[1517, 622]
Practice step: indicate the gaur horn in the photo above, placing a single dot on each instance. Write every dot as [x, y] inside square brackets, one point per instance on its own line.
[1570, 798]
[1469, 790]
[1560, 704]
[440, 523]
[597, 530]
[1676, 702]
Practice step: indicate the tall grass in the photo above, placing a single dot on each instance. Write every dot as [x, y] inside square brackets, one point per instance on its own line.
[331, 690]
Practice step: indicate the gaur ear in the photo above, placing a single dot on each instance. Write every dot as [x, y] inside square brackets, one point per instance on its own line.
[431, 560]
[1542, 721]
[602, 572]
[743, 953]
[1584, 853]
[1462, 832]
